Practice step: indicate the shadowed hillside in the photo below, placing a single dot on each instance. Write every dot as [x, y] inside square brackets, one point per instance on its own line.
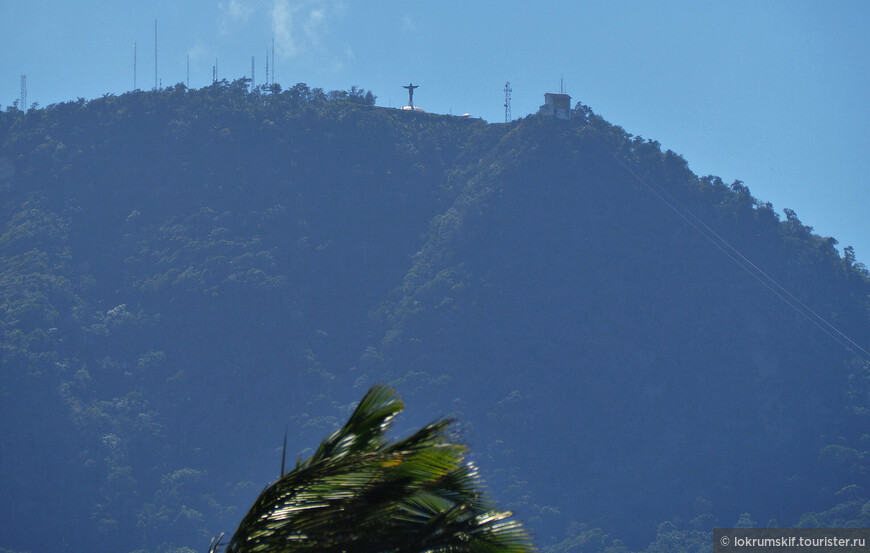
[183, 273]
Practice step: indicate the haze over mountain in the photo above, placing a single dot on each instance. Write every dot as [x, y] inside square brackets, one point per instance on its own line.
[183, 273]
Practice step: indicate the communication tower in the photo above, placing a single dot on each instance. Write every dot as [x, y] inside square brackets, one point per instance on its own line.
[253, 84]
[134, 66]
[23, 92]
[267, 67]
[155, 55]
[507, 102]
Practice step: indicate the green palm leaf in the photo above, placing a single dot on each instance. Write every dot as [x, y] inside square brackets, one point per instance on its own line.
[361, 493]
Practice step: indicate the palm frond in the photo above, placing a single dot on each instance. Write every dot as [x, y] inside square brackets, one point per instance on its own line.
[365, 428]
[361, 493]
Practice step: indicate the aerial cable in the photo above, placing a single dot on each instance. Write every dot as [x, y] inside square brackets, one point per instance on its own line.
[745, 263]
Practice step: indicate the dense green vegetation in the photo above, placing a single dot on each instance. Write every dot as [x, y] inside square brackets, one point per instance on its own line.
[185, 272]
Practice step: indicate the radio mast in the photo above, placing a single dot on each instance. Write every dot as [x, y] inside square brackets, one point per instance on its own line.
[155, 54]
[23, 93]
[507, 102]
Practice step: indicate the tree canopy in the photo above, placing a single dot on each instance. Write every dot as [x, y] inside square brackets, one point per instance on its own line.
[166, 252]
[362, 493]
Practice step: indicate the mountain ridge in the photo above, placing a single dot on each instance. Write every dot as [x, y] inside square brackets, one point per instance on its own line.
[184, 271]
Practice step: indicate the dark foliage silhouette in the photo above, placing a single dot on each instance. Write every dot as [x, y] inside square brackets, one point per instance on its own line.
[362, 493]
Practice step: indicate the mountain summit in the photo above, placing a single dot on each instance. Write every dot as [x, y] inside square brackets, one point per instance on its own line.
[185, 272]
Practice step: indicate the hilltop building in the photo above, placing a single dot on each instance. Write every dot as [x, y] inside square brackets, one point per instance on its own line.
[556, 105]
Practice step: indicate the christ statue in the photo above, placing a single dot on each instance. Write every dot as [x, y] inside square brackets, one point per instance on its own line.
[411, 87]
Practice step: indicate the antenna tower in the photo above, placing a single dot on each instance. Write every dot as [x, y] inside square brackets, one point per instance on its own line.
[253, 83]
[273, 59]
[188, 70]
[267, 67]
[23, 92]
[507, 102]
[155, 54]
[134, 66]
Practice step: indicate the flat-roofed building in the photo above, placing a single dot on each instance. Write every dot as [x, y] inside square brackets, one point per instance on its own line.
[556, 105]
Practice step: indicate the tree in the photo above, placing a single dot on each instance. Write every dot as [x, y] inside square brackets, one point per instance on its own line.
[362, 493]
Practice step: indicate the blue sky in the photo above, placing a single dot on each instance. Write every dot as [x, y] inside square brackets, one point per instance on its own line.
[772, 93]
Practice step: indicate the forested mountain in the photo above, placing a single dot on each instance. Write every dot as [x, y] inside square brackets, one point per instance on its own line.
[185, 273]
